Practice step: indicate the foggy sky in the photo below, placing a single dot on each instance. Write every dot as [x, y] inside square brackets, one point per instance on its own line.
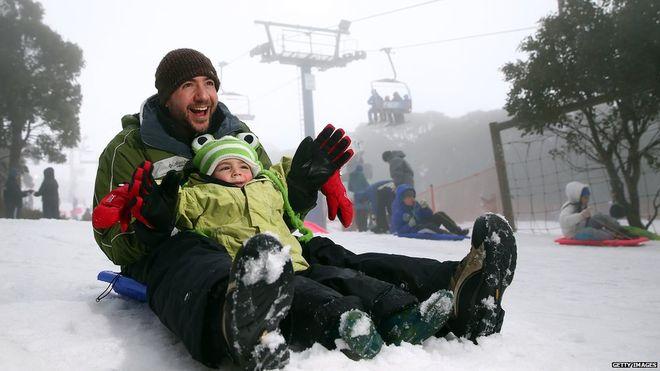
[123, 41]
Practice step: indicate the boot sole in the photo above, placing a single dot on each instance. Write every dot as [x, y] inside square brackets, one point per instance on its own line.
[496, 275]
[252, 310]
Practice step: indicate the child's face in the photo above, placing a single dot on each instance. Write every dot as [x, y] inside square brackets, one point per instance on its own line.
[234, 171]
[409, 200]
[584, 200]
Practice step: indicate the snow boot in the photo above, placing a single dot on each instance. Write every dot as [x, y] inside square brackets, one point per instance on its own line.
[481, 278]
[420, 322]
[259, 296]
[359, 333]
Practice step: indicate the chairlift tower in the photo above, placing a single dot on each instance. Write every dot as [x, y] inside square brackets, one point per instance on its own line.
[306, 47]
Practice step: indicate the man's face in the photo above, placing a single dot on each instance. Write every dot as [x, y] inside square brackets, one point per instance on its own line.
[193, 103]
[233, 171]
[409, 200]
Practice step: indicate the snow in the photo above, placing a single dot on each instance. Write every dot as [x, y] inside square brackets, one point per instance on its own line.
[569, 308]
[268, 266]
[438, 304]
[272, 340]
[361, 327]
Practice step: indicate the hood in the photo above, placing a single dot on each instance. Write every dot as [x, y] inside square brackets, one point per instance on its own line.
[574, 190]
[400, 190]
[154, 135]
[49, 172]
[394, 154]
[388, 155]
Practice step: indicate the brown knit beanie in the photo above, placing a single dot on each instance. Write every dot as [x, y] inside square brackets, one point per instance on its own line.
[181, 65]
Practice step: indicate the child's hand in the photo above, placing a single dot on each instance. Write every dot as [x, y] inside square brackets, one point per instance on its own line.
[586, 213]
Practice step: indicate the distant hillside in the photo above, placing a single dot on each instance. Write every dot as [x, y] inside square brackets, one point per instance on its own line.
[440, 149]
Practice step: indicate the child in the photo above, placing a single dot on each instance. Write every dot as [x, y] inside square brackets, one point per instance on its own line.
[409, 216]
[578, 222]
[232, 198]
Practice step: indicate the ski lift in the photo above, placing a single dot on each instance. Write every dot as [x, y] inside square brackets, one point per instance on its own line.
[388, 86]
[238, 104]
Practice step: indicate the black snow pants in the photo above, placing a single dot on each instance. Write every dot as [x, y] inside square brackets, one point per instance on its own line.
[441, 219]
[383, 209]
[186, 280]
[419, 276]
[322, 293]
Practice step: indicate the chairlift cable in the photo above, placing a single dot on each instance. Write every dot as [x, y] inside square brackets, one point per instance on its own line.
[275, 89]
[394, 11]
[455, 39]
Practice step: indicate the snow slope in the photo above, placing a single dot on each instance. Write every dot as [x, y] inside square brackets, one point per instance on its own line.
[569, 307]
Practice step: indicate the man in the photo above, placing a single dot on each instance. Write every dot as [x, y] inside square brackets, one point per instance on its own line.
[192, 284]
[400, 170]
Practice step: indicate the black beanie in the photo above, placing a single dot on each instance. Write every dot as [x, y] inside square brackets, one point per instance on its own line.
[181, 65]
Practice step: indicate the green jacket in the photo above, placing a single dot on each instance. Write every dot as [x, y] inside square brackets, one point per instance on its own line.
[144, 138]
[231, 215]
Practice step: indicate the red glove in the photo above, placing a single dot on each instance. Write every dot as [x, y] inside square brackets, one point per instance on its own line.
[338, 201]
[113, 208]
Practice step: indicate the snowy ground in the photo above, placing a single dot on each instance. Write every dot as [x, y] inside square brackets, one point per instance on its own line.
[568, 308]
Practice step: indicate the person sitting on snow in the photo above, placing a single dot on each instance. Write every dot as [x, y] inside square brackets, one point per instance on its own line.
[578, 222]
[231, 198]
[410, 216]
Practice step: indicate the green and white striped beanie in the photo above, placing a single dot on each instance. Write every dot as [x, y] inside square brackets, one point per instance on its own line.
[209, 152]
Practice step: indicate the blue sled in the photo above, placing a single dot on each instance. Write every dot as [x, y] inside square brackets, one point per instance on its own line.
[123, 285]
[434, 236]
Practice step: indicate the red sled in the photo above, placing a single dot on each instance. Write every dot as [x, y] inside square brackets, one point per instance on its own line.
[315, 227]
[633, 242]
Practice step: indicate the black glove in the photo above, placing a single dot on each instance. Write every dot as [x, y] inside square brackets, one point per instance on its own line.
[153, 206]
[313, 164]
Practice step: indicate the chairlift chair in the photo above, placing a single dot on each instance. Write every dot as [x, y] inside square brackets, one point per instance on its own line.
[386, 87]
[238, 104]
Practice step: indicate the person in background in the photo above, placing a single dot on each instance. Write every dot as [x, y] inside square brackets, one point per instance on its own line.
[407, 103]
[410, 216]
[578, 221]
[398, 107]
[50, 198]
[357, 183]
[13, 195]
[400, 170]
[376, 109]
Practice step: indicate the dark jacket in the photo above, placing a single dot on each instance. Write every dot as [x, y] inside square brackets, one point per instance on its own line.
[50, 198]
[149, 136]
[12, 194]
[357, 182]
[400, 171]
[407, 219]
[370, 195]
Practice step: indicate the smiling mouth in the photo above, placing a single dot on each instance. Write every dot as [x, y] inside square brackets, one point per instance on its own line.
[200, 111]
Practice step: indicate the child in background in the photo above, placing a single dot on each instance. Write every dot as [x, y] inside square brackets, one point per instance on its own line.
[231, 199]
[577, 221]
[410, 216]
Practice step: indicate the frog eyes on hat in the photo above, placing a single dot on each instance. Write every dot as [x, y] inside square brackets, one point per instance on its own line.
[250, 138]
[200, 141]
